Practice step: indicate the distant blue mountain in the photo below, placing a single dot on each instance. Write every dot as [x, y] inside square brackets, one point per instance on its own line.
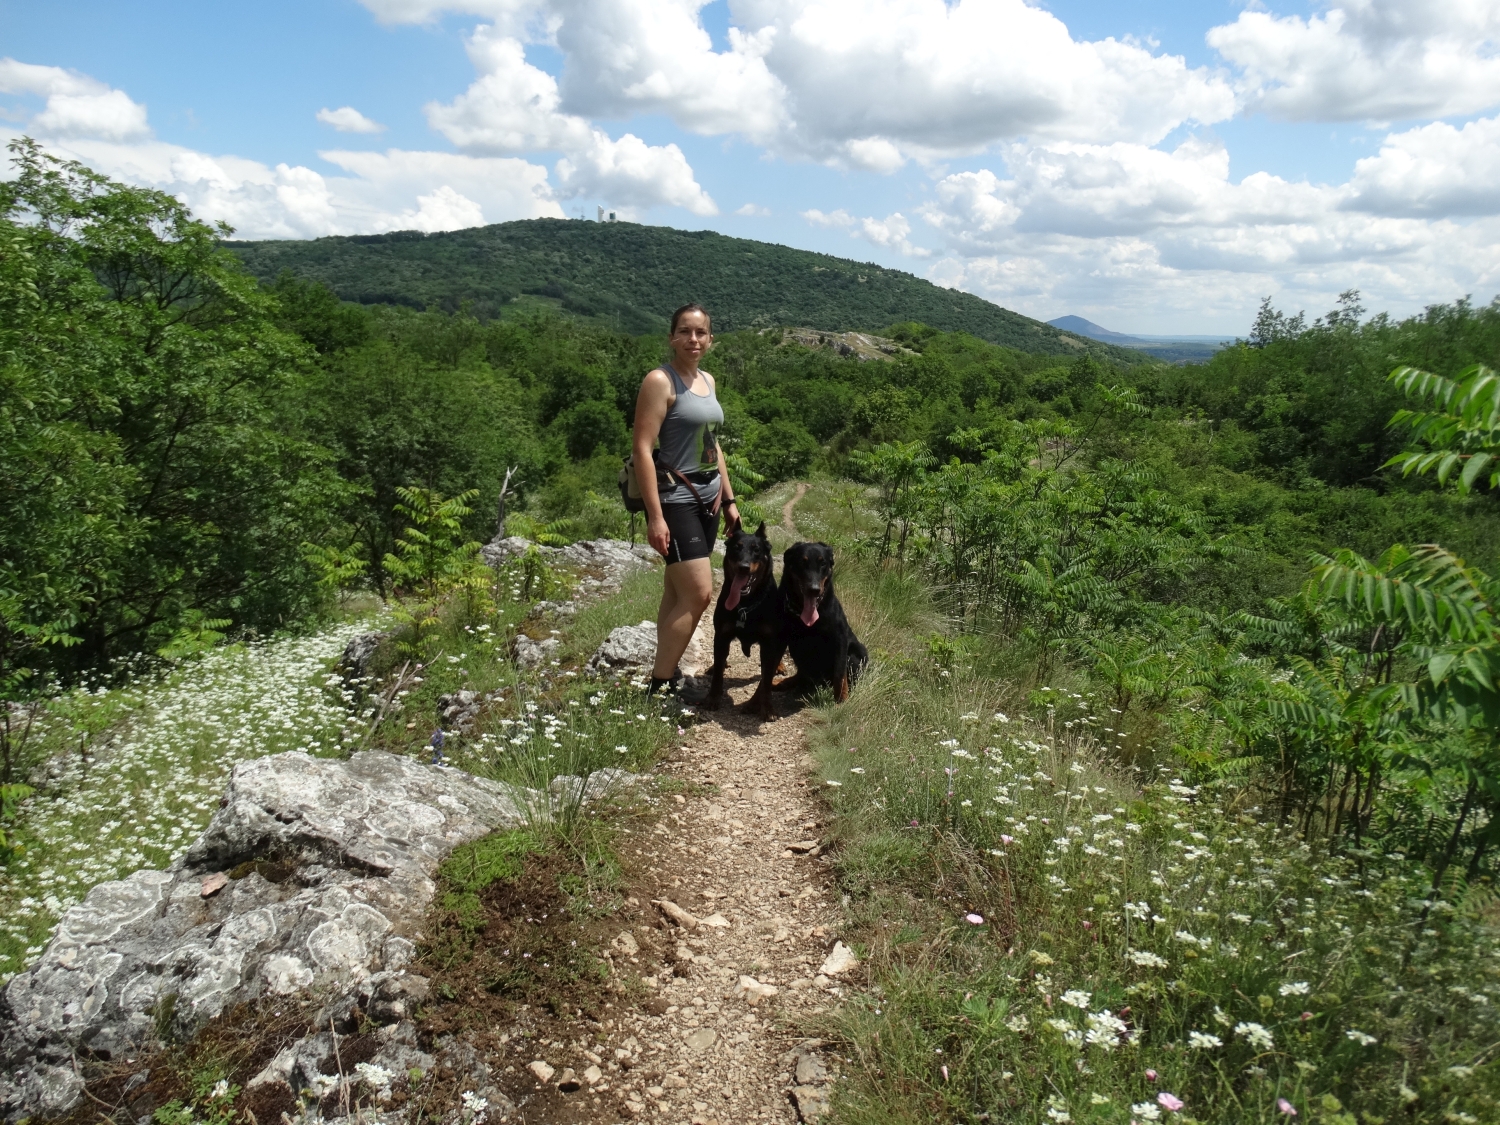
[1093, 331]
[1177, 349]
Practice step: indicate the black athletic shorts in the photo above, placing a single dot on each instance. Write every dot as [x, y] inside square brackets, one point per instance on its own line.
[692, 532]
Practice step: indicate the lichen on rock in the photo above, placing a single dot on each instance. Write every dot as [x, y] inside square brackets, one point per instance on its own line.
[331, 867]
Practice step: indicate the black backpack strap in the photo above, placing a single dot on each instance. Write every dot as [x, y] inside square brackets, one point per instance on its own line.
[704, 508]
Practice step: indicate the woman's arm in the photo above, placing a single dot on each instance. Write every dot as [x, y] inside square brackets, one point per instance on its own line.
[651, 406]
[731, 509]
[726, 492]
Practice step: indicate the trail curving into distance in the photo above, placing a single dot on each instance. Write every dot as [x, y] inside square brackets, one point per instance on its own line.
[787, 523]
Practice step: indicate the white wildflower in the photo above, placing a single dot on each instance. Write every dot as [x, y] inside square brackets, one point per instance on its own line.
[1255, 1034]
[474, 1105]
[1076, 999]
[1147, 1111]
[1361, 1038]
[1202, 1040]
[375, 1077]
[1105, 1028]
[1294, 988]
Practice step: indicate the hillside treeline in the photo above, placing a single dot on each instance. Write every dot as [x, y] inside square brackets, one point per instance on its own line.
[177, 437]
[628, 277]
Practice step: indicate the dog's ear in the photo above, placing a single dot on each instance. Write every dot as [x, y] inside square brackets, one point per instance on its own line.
[760, 532]
[734, 529]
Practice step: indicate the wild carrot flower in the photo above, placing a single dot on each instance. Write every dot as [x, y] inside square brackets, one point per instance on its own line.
[1255, 1034]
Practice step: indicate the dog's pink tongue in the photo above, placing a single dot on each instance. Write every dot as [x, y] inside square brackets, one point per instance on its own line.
[809, 612]
[736, 588]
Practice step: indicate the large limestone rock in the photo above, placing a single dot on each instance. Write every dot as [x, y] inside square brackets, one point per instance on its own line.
[631, 650]
[606, 561]
[628, 648]
[313, 872]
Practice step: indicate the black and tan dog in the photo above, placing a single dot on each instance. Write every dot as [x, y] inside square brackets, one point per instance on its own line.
[813, 628]
[746, 608]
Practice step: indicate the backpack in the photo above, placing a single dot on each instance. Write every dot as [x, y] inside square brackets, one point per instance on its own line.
[630, 486]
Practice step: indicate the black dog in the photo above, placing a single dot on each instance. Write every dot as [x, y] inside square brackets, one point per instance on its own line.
[813, 629]
[746, 607]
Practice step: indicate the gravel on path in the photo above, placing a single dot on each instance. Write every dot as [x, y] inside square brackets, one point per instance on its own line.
[739, 851]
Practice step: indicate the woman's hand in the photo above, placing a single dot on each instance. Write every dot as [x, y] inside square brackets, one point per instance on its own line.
[658, 535]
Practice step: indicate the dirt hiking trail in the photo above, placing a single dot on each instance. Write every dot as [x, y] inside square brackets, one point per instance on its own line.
[731, 928]
[787, 523]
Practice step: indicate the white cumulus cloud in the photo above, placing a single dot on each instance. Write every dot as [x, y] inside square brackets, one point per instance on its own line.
[1082, 225]
[1433, 170]
[77, 105]
[1370, 60]
[393, 190]
[867, 84]
[890, 232]
[347, 119]
[514, 106]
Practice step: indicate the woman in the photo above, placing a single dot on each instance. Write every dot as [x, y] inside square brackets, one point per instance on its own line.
[678, 413]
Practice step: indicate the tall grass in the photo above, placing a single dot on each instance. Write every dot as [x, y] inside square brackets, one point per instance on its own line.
[1055, 938]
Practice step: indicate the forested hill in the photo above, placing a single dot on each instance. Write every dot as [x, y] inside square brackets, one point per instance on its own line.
[630, 277]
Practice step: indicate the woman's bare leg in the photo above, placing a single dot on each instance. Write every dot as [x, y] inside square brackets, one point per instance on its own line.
[688, 589]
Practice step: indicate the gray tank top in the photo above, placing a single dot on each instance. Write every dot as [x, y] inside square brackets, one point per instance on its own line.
[687, 442]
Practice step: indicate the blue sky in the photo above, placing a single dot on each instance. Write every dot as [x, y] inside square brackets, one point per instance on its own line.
[1155, 167]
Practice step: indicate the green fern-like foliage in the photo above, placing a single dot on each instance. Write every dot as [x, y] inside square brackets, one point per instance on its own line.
[1459, 431]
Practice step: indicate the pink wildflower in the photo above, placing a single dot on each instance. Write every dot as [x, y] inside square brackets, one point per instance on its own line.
[974, 919]
[1286, 1107]
[1169, 1102]
[1004, 839]
[945, 1073]
[1150, 1076]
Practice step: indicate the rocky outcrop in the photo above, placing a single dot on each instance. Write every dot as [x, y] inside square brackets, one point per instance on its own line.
[314, 872]
[354, 663]
[631, 650]
[603, 562]
[534, 654]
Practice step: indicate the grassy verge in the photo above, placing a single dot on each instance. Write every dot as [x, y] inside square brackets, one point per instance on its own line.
[1053, 937]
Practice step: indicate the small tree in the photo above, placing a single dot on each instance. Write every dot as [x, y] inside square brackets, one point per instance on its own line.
[434, 561]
